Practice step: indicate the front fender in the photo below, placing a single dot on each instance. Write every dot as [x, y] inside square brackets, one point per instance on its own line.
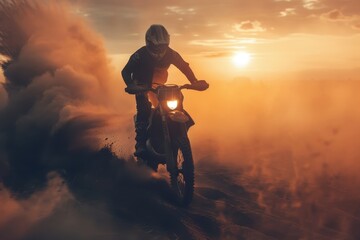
[178, 116]
[181, 117]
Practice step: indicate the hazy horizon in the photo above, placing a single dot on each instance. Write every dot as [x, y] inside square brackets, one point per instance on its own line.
[280, 36]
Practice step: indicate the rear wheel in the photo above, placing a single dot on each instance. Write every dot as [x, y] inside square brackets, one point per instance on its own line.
[182, 180]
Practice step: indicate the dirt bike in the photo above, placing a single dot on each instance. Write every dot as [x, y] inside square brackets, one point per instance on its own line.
[167, 138]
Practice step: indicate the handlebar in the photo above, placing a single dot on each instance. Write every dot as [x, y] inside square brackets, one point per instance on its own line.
[200, 85]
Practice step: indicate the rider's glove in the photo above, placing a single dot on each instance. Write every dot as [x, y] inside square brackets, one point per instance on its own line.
[200, 85]
[134, 89]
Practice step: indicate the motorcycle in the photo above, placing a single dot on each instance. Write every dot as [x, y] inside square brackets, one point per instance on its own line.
[167, 139]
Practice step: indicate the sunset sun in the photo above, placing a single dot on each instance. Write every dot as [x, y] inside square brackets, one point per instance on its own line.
[241, 59]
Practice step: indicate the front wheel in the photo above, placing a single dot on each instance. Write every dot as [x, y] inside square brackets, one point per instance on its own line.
[182, 180]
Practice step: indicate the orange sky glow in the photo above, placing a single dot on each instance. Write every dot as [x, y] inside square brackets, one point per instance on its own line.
[283, 37]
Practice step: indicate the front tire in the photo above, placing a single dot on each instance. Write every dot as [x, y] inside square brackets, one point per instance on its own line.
[182, 180]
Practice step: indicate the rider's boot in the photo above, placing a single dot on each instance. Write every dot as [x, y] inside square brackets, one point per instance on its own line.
[140, 146]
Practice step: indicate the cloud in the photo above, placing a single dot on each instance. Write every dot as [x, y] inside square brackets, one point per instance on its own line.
[356, 26]
[334, 15]
[277, 18]
[249, 27]
[216, 54]
[228, 43]
[180, 11]
[287, 12]
[313, 4]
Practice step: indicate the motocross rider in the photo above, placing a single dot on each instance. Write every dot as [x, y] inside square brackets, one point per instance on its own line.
[146, 67]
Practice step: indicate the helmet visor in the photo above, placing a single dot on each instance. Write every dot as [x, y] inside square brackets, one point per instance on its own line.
[158, 49]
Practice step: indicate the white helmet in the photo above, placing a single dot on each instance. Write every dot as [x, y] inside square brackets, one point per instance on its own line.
[157, 40]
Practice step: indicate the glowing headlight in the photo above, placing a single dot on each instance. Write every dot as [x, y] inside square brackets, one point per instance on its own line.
[172, 104]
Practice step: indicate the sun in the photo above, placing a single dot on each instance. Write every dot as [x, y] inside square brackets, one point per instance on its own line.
[241, 59]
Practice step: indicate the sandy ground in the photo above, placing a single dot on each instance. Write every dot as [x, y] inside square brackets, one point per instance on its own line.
[228, 204]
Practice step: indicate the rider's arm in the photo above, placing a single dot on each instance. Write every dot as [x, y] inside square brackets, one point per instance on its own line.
[129, 69]
[183, 66]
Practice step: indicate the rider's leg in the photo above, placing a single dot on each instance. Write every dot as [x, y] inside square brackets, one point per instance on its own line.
[143, 108]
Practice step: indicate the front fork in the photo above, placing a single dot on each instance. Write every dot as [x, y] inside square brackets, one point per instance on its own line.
[170, 161]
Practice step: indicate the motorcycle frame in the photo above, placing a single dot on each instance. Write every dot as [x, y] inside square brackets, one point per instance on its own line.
[165, 118]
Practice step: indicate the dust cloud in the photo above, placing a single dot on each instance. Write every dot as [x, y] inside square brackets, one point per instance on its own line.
[64, 136]
[61, 113]
[17, 216]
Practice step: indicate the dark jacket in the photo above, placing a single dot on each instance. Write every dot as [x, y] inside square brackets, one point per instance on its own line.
[141, 66]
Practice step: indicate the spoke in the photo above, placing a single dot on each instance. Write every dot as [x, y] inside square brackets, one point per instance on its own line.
[180, 159]
[181, 184]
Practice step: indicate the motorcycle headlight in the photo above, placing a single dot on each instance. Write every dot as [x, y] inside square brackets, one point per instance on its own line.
[172, 104]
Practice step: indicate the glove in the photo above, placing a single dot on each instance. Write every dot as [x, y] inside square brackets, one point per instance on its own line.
[200, 85]
[134, 89]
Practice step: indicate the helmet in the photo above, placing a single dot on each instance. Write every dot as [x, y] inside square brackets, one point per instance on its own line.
[157, 40]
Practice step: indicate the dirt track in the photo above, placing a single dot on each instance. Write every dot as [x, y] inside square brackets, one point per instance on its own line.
[228, 204]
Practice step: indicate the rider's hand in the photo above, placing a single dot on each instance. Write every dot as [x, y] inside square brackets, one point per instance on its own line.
[201, 85]
[134, 89]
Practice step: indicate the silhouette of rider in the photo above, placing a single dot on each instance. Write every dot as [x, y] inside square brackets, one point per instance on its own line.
[146, 67]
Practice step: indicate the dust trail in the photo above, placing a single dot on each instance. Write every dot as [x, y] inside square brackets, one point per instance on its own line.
[63, 103]
[62, 115]
[57, 77]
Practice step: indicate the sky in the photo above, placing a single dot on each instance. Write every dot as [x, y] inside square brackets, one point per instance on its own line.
[312, 38]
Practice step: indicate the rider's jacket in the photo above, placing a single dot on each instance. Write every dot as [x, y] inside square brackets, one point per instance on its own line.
[143, 69]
